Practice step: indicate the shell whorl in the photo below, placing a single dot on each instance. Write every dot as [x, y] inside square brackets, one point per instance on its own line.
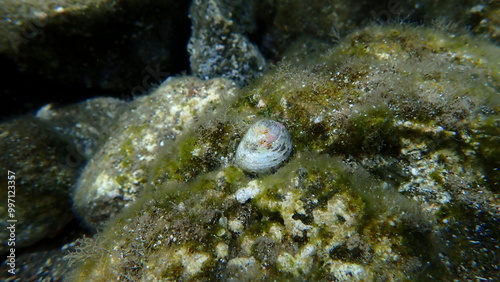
[264, 147]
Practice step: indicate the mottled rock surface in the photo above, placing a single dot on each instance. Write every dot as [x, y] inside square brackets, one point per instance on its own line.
[41, 202]
[486, 18]
[396, 130]
[282, 22]
[85, 125]
[219, 44]
[119, 170]
[394, 174]
[47, 152]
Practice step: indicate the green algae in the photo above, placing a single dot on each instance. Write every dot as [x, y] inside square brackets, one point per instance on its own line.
[320, 179]
[367, 133]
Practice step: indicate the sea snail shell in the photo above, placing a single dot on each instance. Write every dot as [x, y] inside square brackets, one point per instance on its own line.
[265, 146]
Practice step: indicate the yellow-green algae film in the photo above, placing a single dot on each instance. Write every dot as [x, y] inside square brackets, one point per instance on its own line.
[390, 128]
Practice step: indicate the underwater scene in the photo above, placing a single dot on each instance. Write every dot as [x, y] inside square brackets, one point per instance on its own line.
[231, 140]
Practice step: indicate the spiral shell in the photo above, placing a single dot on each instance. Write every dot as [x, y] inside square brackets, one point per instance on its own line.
[265, 146]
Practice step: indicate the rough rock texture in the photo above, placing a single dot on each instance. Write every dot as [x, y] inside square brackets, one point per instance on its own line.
[119, 169]
[394, 174]
[282, 22]
[84, 125]
[481, 17]
[97, 43]
[486, 18]
[42, 202]
[46, 261]
[219, 46]
[47, 152]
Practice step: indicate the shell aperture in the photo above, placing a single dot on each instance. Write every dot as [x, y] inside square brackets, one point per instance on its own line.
[265, 146]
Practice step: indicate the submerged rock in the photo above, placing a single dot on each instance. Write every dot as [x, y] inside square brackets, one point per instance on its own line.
[39, 202]
[119, 170]
[85, 125]
[394, 174]
[282, 22]
[121, 45]
[45, 154]
[219, 44]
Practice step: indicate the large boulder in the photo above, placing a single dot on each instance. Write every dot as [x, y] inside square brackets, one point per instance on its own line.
[394, 173]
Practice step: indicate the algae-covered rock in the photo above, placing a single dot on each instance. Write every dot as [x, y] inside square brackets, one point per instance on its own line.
[282, 22]
[219, 44]
[481, 17]
[36, 183]
[119, 170]
[394, 174]
[487, 19]
[291, 224]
